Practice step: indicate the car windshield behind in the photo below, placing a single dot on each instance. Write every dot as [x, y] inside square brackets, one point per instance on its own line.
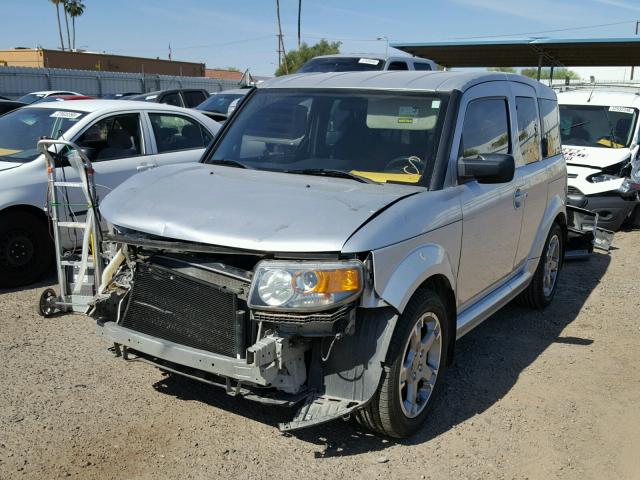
[219, 103]
[341, 64]
[597, 125]
[31, 97]
[376, 135]
[21, 129]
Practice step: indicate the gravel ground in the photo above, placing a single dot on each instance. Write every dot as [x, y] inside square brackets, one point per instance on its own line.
[539, 395]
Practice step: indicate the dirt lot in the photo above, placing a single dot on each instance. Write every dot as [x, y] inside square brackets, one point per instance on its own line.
[553, 394]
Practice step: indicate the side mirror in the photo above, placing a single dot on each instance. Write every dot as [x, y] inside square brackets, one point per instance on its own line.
[62, 158]
[487, 168]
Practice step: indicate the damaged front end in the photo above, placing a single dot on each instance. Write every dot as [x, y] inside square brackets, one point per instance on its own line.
[264, 327]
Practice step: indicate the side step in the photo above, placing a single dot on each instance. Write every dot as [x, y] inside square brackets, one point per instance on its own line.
[320, 409]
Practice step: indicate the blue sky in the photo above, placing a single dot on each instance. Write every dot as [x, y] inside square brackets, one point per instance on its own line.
[224, 33]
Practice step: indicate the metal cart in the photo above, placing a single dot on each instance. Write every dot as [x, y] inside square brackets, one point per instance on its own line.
[79, 270]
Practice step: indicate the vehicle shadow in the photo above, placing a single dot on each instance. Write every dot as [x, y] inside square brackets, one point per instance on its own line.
[487, 364]
[51, 279]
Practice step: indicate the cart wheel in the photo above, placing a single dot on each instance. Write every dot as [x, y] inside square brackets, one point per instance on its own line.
[46, 307]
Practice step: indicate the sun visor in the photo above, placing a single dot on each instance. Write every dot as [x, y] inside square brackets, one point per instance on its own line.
[402, 113]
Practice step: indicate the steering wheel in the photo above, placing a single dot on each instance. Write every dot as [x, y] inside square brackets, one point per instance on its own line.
[409, 165]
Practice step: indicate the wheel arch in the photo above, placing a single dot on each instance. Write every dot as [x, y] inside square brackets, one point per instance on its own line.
[25, 208]
[440, 284]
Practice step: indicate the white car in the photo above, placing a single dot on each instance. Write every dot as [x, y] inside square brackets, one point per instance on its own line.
[600, 128]
[121, 138]
[37, 96]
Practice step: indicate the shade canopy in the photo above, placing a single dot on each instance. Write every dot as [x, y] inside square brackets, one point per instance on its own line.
[594, 52]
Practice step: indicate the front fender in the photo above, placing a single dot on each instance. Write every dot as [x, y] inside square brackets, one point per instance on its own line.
[400, 269]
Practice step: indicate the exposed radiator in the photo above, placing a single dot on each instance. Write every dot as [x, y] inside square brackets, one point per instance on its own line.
[176, 307]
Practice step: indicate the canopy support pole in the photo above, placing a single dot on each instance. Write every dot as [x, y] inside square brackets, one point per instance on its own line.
[539, 65]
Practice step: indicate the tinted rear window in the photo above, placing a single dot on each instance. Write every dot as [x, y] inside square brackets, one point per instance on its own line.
[342, 64]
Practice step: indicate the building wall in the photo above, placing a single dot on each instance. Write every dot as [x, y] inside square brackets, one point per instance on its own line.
[98, 62]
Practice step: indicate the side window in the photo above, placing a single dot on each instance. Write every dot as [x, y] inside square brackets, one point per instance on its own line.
[421, 66]
[550, 127]
[175, 132]
[172, 99]
[113, 137]
[193, 98]
[398, 66]
[485, 128]
[528, 137]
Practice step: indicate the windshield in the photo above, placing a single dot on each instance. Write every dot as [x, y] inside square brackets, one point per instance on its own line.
[342, 64]
[597, 125]
[219, 103]
[31, 97]
[21, 129]
[380, 136]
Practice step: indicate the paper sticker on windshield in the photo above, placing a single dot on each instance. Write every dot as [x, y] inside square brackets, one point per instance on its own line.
[63, 114]
[369, 61]
[406, 114]
[621, 110]
[435, 104]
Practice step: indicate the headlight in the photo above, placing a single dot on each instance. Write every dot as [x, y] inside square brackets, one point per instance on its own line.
[602, 177]
[305, 286]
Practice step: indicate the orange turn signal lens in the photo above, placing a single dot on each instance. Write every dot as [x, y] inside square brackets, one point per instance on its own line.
[328, 281]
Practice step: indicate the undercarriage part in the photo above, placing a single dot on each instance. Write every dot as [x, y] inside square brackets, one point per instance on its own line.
[260, 395]
[320, 409]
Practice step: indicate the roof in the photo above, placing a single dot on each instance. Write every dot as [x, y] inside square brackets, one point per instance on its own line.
[376, 56]
[232, 91]
[590, 96]
[601, 52]
[223, 74]
[400, 80]
[99, 105]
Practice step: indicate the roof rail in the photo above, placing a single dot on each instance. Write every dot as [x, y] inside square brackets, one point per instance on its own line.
[629, 87]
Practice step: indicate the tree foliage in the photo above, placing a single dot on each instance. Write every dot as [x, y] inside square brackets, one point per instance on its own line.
[545, 74]
[503, 69]
[294, 59]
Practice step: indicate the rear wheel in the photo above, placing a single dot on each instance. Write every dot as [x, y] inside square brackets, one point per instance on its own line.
[542, 288]
[26, 249]
[414, 368]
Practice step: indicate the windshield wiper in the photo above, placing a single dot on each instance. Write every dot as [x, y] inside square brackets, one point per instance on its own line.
[328, 172]
[229, 163]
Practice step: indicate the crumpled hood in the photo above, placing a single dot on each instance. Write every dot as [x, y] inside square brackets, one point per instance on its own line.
[247, 209]
[595, 157]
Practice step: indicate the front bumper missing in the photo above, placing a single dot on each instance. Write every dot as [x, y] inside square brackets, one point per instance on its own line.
[217, 370]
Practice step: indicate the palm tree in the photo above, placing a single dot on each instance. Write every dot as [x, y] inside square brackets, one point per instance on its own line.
[57, 4]
[65, 3]
[75, 9]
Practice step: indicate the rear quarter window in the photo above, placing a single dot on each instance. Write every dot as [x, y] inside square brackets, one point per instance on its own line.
[550, 120]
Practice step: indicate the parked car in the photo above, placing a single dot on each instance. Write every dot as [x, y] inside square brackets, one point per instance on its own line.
[356, 63]
[600, 128]
[339, 235]
[64, 98]
[119, 96]
[121, 138]
[222, 104]
[9, 105]
[188, 97]
[35, 96]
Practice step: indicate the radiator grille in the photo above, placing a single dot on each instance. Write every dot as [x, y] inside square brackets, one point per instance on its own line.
[178, 308]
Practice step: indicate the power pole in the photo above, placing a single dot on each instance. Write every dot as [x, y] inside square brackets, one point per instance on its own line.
[299, 13]
[632, 67]
[281, 52]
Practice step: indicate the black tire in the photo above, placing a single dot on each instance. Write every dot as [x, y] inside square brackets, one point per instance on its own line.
[535, 295]
[26, 249]
[385, 413]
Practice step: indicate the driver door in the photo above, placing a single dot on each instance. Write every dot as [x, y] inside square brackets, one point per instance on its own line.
[492, 213]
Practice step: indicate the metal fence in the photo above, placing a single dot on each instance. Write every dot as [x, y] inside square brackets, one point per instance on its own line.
[17, 81]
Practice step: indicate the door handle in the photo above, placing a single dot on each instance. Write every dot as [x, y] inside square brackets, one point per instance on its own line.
[518, 198]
